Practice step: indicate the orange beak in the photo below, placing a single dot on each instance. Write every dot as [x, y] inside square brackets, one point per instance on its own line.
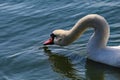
[49, 41]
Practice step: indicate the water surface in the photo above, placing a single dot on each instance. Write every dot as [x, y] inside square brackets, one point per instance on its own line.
[26, 24]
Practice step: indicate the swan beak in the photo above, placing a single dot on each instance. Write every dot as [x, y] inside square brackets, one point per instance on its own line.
[49, 41]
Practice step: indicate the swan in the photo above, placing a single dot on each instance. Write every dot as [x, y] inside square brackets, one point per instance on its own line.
[96, 47]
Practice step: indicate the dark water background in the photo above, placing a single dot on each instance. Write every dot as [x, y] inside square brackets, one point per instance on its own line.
[26, 24]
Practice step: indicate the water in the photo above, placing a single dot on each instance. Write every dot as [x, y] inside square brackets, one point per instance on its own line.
[26, 24]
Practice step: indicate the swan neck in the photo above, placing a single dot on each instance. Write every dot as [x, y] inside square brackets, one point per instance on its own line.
[100, 26]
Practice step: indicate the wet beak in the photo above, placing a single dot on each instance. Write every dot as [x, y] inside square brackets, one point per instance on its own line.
[49, 41]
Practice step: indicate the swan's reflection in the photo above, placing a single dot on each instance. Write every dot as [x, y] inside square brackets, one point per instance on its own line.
[61, 64]
[94, 71]
[98, 71]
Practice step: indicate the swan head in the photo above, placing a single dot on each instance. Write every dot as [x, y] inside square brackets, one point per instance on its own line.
[58, 37]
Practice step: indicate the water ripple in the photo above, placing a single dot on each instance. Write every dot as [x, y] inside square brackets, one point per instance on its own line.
[25, 25]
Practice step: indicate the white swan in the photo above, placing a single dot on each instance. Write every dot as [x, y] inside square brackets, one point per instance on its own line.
[96, 48]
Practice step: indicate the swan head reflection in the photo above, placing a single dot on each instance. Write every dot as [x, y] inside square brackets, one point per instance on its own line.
[61, 64]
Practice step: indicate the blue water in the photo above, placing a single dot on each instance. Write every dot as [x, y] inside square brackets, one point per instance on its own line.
[26, 24]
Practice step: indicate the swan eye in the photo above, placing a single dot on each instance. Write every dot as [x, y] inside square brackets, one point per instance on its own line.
[60, 39]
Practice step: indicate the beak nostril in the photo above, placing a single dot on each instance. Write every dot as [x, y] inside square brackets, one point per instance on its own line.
[49, 41]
